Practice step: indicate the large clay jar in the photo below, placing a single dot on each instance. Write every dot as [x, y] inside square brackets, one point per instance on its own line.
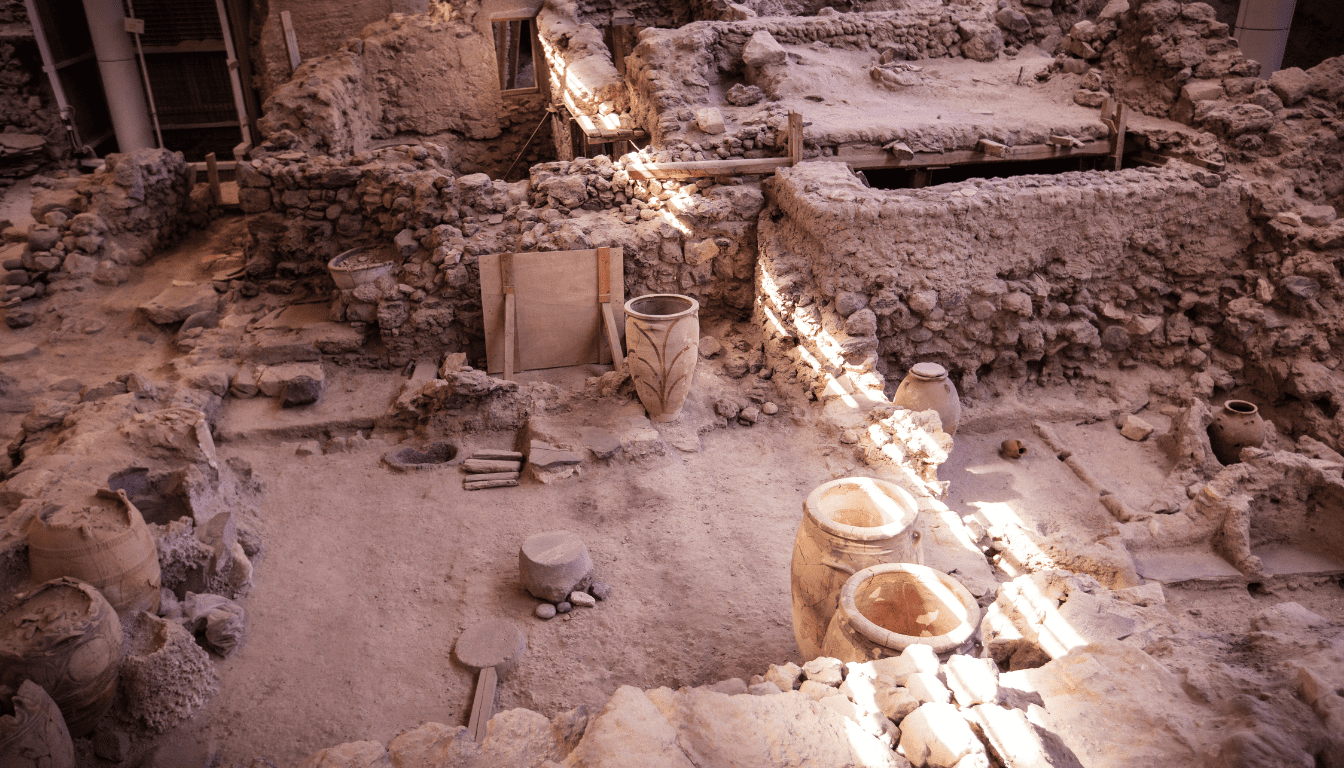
[66, 638]
[662, 335]
[35, 736]
[1238, 425]
[927, 388]
[104, 542]
[886, 608]
[848, 525]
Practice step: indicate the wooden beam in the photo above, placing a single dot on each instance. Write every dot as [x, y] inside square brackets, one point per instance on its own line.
[291, 41]
[1065, 141]
[483, 705]
[700, 168]
[1118, 151]
[212, 174]
[510, 312]
[795, 138]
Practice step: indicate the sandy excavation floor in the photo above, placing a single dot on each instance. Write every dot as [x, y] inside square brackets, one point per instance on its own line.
[369, 576]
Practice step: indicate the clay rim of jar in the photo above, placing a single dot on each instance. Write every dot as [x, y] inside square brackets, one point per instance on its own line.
[812, 510]
[928, 371]
[13, 646]
[337, 262]
[895, 640]
[692, 306]
[1241, 407]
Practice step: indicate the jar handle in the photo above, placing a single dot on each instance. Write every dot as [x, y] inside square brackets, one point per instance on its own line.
[838, 566]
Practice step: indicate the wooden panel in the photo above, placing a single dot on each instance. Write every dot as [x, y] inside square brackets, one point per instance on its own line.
[483, 704]
[559, 319]
[291, 41]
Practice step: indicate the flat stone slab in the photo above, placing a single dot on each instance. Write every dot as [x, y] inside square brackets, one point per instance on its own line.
[353, 399]
[496, 643]
[22, 350]
[179, 302]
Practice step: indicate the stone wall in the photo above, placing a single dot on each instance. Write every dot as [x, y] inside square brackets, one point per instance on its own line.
[410, 77]
[1050, 275]
[581, 70]
[27, 107]
[436, 224]
[673, 72]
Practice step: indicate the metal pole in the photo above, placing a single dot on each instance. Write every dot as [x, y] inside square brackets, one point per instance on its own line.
[144, 70]
[1262, 31]
[53, 77]
[238, 102]
[121, 80]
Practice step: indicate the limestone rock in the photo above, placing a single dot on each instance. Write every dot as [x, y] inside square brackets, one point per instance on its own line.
[824, 670]
[355, 754]
[1135, 428]
[972, 681]
[786, 676]
[926, 687]
[710, 120]
[936, 735]
[518, 737]
[1288, 617]
[553, 564]
[1291, 85]
[433, 745]
[630, 730]
[179, 302]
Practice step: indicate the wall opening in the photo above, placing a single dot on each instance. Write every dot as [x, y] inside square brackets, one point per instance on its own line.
[915, 178]
[515, 54]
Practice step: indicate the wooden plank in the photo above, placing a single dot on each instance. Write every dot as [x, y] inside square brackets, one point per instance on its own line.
[212, 173]
[515, 47]
[1162, 158]
[795, 138]
[620, 45]
[482, 485]
[1065, 141]
[864, 160]
[700, 168]
[607, 352]
[1118, 153]
[501, 51]
[486, 466]
[291, 41]
[497, 455]
[483, 706]
[510, 333]
[613, 336]
[558, 320]
[488, 476]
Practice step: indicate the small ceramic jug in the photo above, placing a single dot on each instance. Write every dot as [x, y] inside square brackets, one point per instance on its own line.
[927, 388]
[1238, 425]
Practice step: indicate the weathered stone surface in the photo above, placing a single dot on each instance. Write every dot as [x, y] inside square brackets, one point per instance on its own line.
[1291, 85]
[824, 670]
[1135, 428]
[630, 730]
[710, 120]
[553, 564]
[926, 687]
[972, 681]
[19, 350]
[1288, 617]
[355, 754]
[936, 735]
[179, 302]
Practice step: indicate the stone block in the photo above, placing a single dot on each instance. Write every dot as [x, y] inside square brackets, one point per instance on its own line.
[1291, 85]
[824, 670]
[926, 687]
[936, 735]
[1318, 215]
[785, 676]
[972, 681]
[710, 120]
[1135, 428]
[179, 302]
[553, 564]
[273, 380]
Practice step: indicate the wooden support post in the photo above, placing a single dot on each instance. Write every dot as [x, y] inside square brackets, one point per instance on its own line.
[212, 174]
[483, 705]
[510, 313]
[515, 48]
[919, 178]
[604, 298]
[1118, 151]
[795, 138]
[501, 49]
[291, 41]
[561, 134]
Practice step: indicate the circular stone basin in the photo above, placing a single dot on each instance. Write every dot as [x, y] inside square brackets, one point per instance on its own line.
[434, 455]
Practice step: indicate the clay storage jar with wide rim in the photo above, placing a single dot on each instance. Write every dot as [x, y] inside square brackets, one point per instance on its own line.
[104, 542]
[662, 336]
[927, 388]
[348, 270]
[1238, 425]
[887, 608]
[848, 525]
[35, 736]
[66, 638]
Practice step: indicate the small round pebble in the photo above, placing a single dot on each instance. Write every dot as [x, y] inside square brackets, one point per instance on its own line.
[545, 611]
[564, 607]
[769, 409]
[600, 589]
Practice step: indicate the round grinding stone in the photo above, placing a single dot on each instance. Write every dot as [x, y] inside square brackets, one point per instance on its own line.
[553, 564]
[495, 643]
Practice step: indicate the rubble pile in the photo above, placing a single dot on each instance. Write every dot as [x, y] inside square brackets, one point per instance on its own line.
[31, 133]
[97, 227]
